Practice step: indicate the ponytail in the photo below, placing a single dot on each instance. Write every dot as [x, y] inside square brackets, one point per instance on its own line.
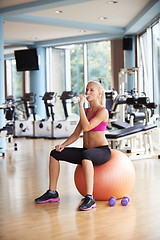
[103, 99]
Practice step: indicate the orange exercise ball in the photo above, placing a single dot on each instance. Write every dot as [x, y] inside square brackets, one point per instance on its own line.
[113, 178]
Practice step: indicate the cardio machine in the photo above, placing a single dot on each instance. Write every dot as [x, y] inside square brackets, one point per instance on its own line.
[25, 127]
[44, 127]
[64, 128]
[53, 126]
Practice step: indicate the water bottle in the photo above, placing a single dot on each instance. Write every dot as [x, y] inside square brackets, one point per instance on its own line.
[76, 99]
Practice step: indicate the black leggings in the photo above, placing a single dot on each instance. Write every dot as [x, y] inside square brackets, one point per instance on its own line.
[98, 155]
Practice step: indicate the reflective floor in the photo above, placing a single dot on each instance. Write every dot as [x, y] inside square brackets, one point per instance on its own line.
[24, 176]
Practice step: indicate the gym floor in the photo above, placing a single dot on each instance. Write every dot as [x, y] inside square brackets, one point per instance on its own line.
[24, 176]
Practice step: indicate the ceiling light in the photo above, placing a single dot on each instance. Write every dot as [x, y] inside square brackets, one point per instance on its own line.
[102, 18]
[58, 11]
[112, 2]
[34, 38]
[82, 31]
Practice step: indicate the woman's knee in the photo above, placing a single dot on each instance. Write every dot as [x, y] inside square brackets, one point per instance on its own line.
[86, 162]
[53, 155]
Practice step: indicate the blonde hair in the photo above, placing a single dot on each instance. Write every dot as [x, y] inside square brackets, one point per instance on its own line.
[102, 98]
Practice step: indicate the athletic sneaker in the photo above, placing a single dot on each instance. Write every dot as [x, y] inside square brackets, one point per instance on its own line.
[48, 196]
[89, 203]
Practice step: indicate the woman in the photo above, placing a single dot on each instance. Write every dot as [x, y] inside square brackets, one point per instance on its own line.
[95, 151]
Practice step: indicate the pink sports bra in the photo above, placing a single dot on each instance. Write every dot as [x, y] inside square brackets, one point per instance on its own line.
[101, 127]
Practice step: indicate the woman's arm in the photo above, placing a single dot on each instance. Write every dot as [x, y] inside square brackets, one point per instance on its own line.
[75, 135]
[84, 121]
[101, 116]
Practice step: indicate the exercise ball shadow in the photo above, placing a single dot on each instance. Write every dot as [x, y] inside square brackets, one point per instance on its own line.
[114, 178]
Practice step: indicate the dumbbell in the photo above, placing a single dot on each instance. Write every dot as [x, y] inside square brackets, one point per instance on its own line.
[112, 201]
[125, 201]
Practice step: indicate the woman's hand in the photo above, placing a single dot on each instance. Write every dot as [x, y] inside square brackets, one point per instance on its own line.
[82, 98]
[59, 148]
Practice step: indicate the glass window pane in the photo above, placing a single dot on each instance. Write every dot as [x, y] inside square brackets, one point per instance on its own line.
[156, 64]
[149, 62]
[17, 81]
[99, 62]
[77, 68]
[14, 79]
[57, 84]
[77, 71]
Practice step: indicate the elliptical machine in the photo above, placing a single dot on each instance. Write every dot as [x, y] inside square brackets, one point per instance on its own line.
[25, 127]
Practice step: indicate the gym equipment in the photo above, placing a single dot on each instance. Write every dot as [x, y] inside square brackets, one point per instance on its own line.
[3, 133]
[10, 114]
[112, 201]
[24, 127]
[126, 75]
[136, 122]
[134, 106]
[130, 102]
[156, 139]
[138, 135]
[123, 78]
[64, 128]
[125, 201]
[44, 127]
[53, 126]
[131, 133]
[114, 178]
[8, 130]
[142, 104]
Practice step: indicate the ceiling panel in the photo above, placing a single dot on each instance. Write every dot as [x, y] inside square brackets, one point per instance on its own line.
[119, 14]
[35, 32]
[8, 3]
[28, 23]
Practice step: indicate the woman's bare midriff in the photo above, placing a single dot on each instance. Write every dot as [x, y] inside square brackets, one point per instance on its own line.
[94, 139]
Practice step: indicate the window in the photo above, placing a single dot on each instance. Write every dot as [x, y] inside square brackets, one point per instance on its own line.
[99, 62]
[56, 75]
[93, 59]
[156, 64]
[13, 79]
[149, 62]
[77, 68]
[77, 71]
[71, 67]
